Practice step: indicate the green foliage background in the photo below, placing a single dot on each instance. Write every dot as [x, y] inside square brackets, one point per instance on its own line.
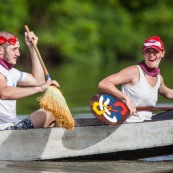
[88, 30]
[75, 34]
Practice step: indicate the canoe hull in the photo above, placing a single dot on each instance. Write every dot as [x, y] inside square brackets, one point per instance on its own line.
[57, 143]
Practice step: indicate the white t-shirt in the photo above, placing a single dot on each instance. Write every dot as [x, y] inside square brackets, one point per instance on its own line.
[8, 107]
[143, 95]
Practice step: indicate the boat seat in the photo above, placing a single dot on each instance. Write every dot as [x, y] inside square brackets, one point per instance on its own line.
[168, 115]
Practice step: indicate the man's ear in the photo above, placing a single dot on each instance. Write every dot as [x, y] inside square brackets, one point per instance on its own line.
[163, 54]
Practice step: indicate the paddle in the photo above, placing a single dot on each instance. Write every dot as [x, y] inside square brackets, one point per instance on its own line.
[39, 56]
[112, 110]
[53, 100]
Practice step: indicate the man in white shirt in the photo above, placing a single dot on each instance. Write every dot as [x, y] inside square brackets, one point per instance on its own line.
[15, 84]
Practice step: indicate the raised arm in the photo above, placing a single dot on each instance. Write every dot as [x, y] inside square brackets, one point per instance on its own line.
[36, 77]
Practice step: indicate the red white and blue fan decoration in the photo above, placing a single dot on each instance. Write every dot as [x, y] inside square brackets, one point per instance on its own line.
[108, 108]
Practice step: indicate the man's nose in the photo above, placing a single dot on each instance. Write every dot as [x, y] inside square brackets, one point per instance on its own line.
[17, 53]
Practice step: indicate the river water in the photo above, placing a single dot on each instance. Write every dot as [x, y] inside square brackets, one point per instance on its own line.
[87, 167]
[78, 84]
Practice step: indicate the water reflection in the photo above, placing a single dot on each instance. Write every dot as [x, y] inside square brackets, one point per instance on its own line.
[88, 167]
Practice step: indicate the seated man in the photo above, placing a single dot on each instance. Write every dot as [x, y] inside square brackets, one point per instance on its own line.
[15, 84]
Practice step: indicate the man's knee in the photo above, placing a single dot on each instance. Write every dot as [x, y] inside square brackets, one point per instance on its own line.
[42, 118]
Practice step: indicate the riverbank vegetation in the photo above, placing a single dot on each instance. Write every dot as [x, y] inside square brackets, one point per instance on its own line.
[89, 31]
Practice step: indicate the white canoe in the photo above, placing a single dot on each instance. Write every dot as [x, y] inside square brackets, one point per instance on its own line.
[91, 139]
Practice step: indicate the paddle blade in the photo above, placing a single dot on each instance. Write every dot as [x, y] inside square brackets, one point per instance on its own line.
[109, 109]
[53, 101]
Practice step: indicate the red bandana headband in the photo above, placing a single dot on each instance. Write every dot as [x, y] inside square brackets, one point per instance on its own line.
[11, 40]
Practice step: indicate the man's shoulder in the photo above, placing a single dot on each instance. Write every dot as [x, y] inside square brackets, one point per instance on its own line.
[132, 69]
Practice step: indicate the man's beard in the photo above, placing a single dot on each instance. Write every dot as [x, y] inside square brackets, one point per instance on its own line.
[6, 57]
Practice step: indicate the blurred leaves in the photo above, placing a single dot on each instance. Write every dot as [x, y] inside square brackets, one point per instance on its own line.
[90, 31]
[13, 13]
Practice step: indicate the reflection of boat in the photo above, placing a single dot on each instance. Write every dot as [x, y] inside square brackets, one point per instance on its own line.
[91, 140]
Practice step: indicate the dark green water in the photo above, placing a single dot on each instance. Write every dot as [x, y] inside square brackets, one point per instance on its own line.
[79, 82]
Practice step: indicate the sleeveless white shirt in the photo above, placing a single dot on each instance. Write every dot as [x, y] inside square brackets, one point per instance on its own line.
[142, 94]
[8, 107]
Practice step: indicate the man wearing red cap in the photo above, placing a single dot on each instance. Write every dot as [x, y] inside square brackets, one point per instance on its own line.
[15, 84]
[140, 84]
[153, 42]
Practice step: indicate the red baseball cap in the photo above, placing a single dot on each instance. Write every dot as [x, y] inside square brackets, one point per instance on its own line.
[153, 42]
